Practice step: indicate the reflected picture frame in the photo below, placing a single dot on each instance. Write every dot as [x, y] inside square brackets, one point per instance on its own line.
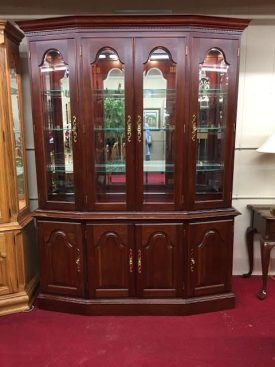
[152, 117]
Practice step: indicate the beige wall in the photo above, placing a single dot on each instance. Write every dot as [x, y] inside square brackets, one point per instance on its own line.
[254, 174]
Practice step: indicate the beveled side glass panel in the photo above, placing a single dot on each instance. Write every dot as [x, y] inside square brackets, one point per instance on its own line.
[18, 139]
[59, 129]
[212, 119]
[159, 99]
[108, 100]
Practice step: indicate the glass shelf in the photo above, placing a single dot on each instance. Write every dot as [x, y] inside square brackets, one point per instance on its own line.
[56, 92]
[149, 166]
[206, 129]
[158, 93]
[207, 167]
[122, 129]
[57, 129]
[214, 91]
[60, 168]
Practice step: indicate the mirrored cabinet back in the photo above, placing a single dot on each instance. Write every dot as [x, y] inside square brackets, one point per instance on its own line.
[134, 122]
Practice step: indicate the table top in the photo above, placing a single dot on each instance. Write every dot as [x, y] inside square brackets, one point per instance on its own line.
[263, 210]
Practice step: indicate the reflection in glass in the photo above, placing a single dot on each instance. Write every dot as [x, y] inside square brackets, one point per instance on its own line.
[18, 139]
[108, 98]
[54, 74]
[159, 98]
[212, 101]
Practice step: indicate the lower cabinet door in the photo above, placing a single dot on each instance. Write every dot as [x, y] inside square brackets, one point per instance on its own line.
[159, 260]
[61, 258]
[111, 256]
[8, 263]
[210, 257]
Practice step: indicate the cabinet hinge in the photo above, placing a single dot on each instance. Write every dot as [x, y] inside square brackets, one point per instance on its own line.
[29, 54]
[80, 52]
[238, 52]
[186, 50]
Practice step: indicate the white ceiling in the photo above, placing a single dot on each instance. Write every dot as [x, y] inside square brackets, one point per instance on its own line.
[18, 9]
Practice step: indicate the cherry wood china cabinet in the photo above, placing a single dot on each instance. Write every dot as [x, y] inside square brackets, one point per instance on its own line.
[134, 120]
[18, 270]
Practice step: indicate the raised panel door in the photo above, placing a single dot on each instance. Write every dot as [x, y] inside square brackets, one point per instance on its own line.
[61, 258]
[214, 64]
[111, 258]
[160, 260]
[210, 257]
[8, 266]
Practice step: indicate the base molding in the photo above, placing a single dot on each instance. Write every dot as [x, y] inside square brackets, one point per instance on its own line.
[134, 306]
[19, 301]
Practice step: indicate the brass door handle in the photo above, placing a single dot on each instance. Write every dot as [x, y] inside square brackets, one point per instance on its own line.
[77, 261]
[139, 262]
[139, 129]
[74, 129]
[192, 264]
[194, 127]
[131, 263]
[129, 129]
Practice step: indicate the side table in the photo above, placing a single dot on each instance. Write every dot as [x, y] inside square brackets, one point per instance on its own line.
[262, 222]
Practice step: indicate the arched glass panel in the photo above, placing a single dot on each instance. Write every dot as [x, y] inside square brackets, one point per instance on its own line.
[58, 124]
[212, 114]
[108, 98]
[159, 98]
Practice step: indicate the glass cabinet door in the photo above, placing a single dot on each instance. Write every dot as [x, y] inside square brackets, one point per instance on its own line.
[157, 81]
[108, 101]
[213, 100]
[60, 129]
[15, 84]
[109, 117]
[212, 121]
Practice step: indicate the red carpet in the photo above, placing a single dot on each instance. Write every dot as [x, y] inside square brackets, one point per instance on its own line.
[242, 337]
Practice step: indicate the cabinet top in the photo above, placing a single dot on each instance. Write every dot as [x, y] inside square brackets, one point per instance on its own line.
[132, 21]
[10, 31]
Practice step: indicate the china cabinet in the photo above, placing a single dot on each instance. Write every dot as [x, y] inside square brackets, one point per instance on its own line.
[18, 270]
[134, 120]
